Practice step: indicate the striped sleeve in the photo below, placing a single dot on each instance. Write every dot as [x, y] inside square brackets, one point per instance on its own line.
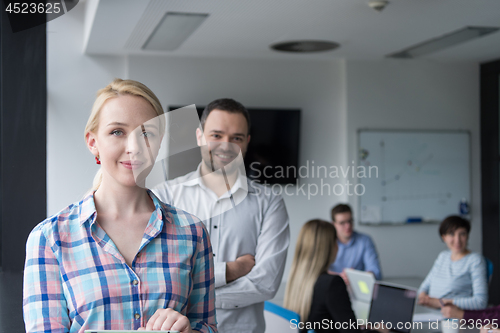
[479, 299]
[426, 284]
[44, 304]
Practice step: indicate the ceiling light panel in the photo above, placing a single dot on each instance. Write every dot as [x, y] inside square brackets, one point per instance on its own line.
[173, 30]
[443, 42]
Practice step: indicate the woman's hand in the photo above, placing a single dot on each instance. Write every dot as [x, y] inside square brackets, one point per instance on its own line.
[423, 298]
[452, 311]
[168, 319]
[436, 303]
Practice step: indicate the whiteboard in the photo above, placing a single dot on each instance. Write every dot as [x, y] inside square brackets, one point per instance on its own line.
[414, 175]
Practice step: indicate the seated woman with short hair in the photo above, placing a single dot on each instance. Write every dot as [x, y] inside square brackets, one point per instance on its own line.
[458, 275]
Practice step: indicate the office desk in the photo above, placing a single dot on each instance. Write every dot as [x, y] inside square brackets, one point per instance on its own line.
[425, 320]
[412, 281]
[423, 317]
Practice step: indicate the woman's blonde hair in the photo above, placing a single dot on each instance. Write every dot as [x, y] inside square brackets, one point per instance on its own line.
[315, 251]
[117, 88]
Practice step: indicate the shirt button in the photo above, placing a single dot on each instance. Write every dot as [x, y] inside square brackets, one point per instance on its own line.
[137, 316]
[135, 282]
[215, 227]
[214, 254]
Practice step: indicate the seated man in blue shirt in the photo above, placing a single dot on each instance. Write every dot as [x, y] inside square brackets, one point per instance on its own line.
[356, 250]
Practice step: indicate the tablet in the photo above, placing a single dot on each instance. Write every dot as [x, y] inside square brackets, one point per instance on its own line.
[126, 331]
[361, 284]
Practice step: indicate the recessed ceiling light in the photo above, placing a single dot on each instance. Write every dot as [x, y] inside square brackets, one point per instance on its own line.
[378, 5]
[303, 46]
[442, 42]
[173, 30]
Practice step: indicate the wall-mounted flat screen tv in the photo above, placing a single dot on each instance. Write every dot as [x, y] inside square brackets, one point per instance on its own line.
[273, 153]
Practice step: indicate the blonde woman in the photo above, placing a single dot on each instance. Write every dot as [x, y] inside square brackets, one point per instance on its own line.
[120, 259]
[319, 298]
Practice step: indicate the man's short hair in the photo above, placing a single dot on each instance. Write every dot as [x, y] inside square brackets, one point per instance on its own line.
[225, 104]
[340, 208]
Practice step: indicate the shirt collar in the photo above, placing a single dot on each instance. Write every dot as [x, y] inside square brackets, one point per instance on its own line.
[88, 211]
[241, 182]
[87, 208]
[351, 241]
[162, 214]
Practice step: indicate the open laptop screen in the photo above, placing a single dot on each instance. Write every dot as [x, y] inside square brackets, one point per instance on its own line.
[393, 305]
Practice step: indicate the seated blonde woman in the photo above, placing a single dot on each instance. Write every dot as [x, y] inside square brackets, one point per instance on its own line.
[315, 295]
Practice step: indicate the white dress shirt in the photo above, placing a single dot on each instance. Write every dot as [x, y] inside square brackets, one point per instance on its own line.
[248, 219]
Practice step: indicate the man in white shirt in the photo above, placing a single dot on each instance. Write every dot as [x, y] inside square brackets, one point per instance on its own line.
[248, 224]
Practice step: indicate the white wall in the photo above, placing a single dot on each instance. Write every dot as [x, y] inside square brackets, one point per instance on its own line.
[336, 98]
[72, 82]
[411, 94]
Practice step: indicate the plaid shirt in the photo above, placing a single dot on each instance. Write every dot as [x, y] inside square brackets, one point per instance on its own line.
[75, 278]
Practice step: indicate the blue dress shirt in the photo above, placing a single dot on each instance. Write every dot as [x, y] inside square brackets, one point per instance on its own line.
[359, 253]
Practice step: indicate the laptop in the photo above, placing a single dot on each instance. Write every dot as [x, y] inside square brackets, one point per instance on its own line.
[361, 287]
[394, 305]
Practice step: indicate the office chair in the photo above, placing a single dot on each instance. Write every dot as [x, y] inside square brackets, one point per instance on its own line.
[489, 269]
[278, 318]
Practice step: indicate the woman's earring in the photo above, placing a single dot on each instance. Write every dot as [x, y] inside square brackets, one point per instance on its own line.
[97, 160]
